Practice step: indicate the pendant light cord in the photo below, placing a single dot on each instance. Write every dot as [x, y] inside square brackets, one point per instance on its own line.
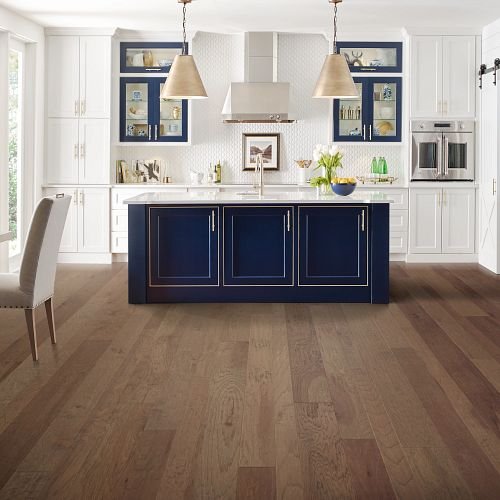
[184, 52]
[335, 28]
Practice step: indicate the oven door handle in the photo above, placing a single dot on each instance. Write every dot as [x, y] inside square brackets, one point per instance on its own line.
[439, 157]
[446, 155]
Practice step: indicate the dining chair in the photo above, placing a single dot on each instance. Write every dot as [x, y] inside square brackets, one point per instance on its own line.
[34, 283]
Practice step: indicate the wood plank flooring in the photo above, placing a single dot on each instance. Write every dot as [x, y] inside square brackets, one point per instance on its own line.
[256, 401]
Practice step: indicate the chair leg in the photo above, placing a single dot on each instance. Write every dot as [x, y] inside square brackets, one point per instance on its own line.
[49, 309]
[30, 322]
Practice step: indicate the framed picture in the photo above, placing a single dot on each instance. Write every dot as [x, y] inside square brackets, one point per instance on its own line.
[268, 145]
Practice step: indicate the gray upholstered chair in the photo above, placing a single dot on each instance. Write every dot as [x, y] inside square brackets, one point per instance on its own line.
[34, 284]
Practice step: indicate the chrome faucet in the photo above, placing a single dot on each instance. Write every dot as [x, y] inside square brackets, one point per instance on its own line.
[259, 169]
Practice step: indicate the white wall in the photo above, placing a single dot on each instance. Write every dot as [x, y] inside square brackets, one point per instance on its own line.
[220, 59]
[14, 26]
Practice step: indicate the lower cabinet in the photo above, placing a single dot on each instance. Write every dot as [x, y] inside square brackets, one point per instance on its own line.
[184, 246]
[258, 246]
[442, 220]
[87, 223]
[333, 245]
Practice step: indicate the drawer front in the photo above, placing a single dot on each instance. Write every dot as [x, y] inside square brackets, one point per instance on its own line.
[398, 242]
[399, 198]
[120, 194]
[119, 220]
[398, 220]
[119, 242]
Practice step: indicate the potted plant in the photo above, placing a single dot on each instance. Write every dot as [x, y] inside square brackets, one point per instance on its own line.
[329, 159]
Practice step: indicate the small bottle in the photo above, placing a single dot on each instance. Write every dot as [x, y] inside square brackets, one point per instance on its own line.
[374, 166]
[218, 173]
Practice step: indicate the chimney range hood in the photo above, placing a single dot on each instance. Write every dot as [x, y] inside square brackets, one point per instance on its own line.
[260, 98]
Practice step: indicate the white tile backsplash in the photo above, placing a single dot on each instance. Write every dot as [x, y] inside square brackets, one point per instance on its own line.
[220, 60]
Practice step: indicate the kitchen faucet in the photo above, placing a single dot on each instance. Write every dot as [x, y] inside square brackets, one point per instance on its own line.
[259, 168]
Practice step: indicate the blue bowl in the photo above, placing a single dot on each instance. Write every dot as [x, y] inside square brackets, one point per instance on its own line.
[343, 189]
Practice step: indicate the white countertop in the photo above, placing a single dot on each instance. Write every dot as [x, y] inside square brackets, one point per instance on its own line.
[201, 198]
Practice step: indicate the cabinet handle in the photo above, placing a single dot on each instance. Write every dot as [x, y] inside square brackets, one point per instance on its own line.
[149, 132]
[152, 69]
[82, 150]
[75, 197]
[445, 107]
[439, 199]
[444, 198]
[363, 221]
[364, 132]
[82, 200]
[288, 220]
[75, 152]
[156, 132]
[213, 221]
[494, 187]
[370, 132]
[76, 108]
[82, 108]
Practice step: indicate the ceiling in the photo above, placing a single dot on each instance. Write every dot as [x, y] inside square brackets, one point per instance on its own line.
[230, 16]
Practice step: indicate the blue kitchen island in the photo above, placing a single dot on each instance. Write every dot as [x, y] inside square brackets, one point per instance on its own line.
[286, 247]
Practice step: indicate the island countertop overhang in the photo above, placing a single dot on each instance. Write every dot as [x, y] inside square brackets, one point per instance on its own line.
[163, 198]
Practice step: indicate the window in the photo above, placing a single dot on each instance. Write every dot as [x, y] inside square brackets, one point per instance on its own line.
[16, 104]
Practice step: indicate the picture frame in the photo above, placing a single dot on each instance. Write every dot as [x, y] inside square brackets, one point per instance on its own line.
[267, 144]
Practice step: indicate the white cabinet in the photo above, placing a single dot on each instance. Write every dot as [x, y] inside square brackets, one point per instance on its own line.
[87, 223]
[442, 220]
[443, 76]
[78, 76]
[78, 151]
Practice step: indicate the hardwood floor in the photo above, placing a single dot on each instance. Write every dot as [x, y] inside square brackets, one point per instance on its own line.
[256, 401]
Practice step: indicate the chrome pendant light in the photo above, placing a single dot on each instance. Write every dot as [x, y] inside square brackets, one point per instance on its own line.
[335, 80]
[183, 80]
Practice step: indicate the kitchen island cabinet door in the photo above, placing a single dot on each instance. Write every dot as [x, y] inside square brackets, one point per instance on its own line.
[258, 246]
[333, 246]
[183, 246]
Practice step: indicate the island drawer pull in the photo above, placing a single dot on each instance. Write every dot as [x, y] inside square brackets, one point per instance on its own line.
[363, 221]
[149, 132]
[288, 220]
[213, 221]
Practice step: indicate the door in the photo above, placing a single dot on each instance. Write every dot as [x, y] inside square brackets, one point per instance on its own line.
[94, 140]
[459, 76]
[383, 109]
[183, 246]
[93, 220]
[62, 151]
[425, 220]
[426, 155]
[136, 109]
[171, 117]
[458, 159]
[69, 240]
[63, 78]
[458, 220]
[95, 76]
[349, 120]
[426, 76]
[333, 245]
[258, 246]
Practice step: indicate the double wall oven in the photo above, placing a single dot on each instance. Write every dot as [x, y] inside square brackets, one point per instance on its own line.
[442, 151]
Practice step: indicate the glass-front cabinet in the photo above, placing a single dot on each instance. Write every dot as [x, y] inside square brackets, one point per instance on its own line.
[148, 57]
[373, 117]
[375, 57]
[144, 117]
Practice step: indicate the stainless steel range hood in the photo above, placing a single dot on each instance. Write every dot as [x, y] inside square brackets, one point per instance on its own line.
[260, 98]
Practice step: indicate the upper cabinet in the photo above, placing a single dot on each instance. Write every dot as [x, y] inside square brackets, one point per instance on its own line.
[374, 57]
[144, 117]
[78, 76]
[374, 117]
[148, 57]
[443, 76]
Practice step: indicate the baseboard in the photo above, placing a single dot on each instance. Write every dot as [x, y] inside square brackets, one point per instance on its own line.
[397, 257]
[85, 258]
[441, 258]
[120, 257]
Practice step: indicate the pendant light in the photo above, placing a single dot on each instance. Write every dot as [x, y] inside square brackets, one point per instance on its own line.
[335, 80]
[183, 80]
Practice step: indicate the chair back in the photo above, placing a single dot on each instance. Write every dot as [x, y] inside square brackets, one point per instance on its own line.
[38, 265]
